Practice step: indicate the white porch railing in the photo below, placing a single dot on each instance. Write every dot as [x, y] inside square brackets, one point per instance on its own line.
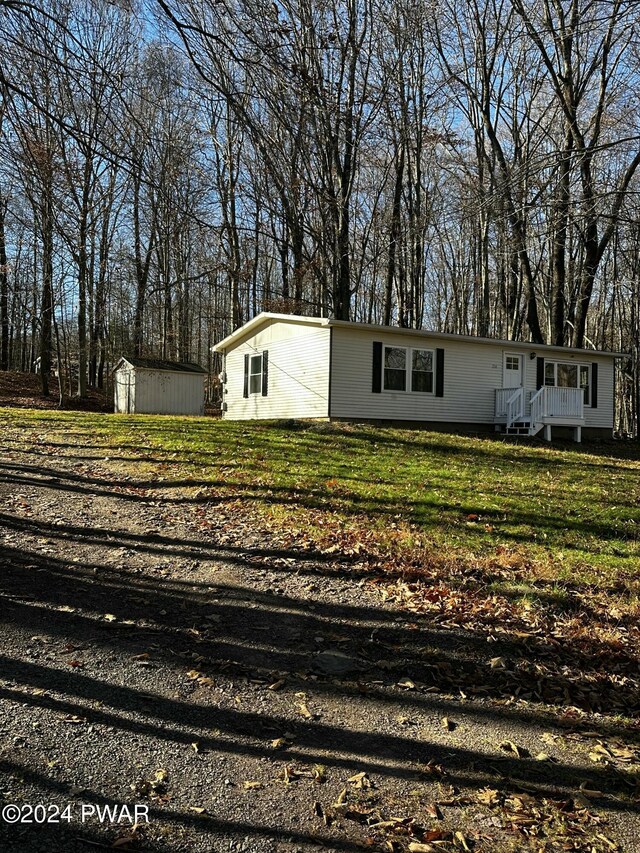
[510, 404]
[563, 402]
[538, 401]
[515, 406]
[548, 402]
[502, 395]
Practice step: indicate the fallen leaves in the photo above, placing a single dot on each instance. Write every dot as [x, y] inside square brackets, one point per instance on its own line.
[572, 654]
[360, 780]
[319, 773]
[199, 677]
[293, 772]
[364, 807]
[461, 841]
[572, 823]
[513, 748]
[488, 796]
[614, 752]
[303, 708]
[341, 798]
[544, 756]
[155, 789]
[280, 742]
[432, 810]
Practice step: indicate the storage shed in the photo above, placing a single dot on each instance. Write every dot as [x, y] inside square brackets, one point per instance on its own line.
[159, 387]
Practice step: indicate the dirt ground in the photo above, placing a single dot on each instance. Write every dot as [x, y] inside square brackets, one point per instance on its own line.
[155, 651]
[24, 390]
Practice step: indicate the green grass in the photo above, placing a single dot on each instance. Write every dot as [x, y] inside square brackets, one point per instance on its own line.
[569, 512]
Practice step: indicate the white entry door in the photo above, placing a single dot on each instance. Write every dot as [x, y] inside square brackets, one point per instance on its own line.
[513, 373]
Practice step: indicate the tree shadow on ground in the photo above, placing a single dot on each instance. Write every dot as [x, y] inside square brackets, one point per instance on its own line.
[424, 510]
[588, 657]
[106, 634]
[56, 837]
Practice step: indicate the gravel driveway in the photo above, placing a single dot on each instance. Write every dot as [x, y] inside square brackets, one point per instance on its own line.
[159, 653]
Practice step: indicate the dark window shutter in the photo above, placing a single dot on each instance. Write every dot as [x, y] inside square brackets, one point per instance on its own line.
[539, 372]
[265, 373]
[376, 375]
[594, 385]
[245, 392]
[439, 373]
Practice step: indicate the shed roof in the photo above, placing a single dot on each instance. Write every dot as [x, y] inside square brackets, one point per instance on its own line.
[161, 364]
[265, 317]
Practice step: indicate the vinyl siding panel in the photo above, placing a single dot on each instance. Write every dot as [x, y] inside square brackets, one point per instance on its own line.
[298, 373]
[472, 373]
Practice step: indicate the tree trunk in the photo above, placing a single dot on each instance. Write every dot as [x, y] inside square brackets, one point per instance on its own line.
[394, 236]
[4, 293]
[46, 301]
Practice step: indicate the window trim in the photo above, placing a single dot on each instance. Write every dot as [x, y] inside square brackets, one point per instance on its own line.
[578, 365]
[408, 389]
[259, 373]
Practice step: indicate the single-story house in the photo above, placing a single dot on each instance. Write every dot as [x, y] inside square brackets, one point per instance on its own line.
[286, 366]
[159, 387]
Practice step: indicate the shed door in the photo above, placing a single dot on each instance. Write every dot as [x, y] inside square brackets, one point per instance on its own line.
[512, 373]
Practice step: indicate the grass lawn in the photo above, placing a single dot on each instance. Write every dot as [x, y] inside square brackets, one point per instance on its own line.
[566, 514]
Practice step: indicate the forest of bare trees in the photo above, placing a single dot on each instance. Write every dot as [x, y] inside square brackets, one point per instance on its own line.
[168, 170]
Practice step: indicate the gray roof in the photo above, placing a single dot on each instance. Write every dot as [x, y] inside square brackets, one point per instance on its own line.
[162, 364]
[264, 317]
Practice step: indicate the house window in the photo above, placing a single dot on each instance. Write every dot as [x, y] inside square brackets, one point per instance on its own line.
[255, 374]
[422, 370]
[512, 362]
[560, 374]
[585, 382]
[395, 369]
[408, 369]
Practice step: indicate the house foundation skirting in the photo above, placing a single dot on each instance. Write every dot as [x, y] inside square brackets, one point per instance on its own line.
[558, 432]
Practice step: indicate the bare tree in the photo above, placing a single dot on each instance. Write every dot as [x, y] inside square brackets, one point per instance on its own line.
[582, 46]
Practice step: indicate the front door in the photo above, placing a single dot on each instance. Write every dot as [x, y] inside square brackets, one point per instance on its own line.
[512, 374]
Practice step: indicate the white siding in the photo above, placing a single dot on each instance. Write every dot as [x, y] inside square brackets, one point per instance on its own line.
[165, 392]
[298, 375]
[472, 373]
